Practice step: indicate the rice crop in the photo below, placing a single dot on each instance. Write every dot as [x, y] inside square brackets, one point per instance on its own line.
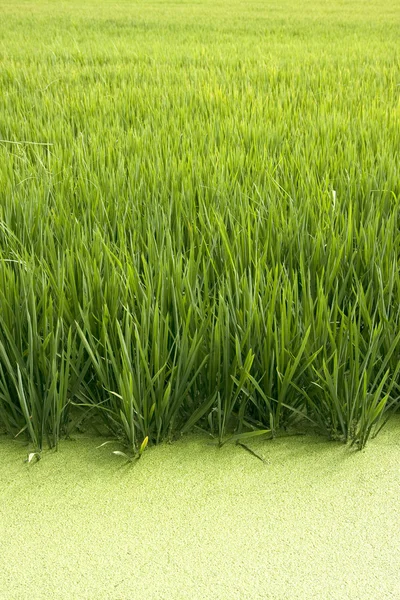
[199, 218]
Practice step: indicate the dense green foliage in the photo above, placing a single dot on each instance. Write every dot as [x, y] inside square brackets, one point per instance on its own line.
[199, 217]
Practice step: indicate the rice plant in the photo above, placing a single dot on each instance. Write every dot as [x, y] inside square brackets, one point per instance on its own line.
[199, 219]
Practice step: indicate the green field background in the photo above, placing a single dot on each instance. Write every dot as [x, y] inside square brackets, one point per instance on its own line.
[199, 217]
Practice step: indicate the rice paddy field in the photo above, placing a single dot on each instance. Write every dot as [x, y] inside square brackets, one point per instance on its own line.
[199, 219]
[199, 244]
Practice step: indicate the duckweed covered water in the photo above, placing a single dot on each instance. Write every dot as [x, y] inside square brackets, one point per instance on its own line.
[190, 520]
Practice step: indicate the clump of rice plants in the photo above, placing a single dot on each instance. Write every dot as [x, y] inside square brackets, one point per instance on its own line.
[199, 220]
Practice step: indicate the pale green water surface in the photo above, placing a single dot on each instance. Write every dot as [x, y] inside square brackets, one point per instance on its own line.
[193, 521]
